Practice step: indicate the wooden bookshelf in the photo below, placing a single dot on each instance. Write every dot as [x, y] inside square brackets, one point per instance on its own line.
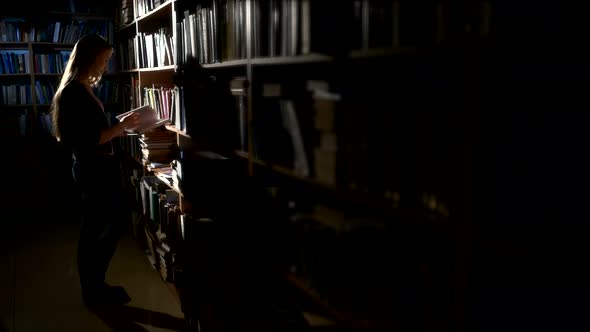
[38, 107]
[395, 120]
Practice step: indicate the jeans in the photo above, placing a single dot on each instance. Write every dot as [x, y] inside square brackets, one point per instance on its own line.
[104, 219]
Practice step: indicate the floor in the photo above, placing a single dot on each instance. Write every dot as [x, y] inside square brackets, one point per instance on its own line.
[40, 291]
[39, 288]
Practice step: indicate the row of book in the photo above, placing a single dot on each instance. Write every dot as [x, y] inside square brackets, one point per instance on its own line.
[157, 146]
[16, 94]
[313, 134]
[160, 205]
[17, 123]
[293, 27]
[148, 50]
[215, 30]
[107, 91]
[54, 62]
[359, 146]
[45, 123]
[20, 93]
[200, 32]
[162, 99]
[66, 32]
[239, 91]
[130, 146]
[18, 62]
[142, 7]
[45, 91]
[14, 62]
[166, 101]
[276, 130]
[302, 134]
[127, 14]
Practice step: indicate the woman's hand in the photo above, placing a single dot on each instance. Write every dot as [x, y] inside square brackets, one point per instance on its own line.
[131, 122]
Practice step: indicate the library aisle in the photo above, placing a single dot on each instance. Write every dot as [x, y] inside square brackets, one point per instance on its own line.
[39, 288]
[40, 291]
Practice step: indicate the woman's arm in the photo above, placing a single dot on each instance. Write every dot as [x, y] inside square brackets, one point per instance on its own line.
[112, 132]
[129, 122]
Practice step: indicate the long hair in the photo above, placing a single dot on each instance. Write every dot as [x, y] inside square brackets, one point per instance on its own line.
[82, 65]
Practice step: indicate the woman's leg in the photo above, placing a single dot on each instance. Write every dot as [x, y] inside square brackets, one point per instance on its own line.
[102, 227]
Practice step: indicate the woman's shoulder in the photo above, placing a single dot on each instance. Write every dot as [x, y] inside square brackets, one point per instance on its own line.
[73, 94]
[73, 87]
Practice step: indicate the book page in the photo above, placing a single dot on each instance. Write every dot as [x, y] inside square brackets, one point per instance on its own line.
[148, 119]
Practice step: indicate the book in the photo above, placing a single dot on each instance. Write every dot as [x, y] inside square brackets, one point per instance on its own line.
[149, 119]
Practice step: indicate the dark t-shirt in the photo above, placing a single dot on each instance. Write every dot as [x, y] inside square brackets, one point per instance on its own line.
[81, 120]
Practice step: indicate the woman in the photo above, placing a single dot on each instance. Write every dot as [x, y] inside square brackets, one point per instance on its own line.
[81, 125]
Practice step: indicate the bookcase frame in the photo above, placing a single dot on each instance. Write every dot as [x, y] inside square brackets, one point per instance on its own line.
[457, 228]
[33, 128]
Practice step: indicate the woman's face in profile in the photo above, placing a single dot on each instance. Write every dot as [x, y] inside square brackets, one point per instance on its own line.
[103, 60]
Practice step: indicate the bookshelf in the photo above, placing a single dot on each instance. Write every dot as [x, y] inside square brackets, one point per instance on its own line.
[352, 126]
[35, 47]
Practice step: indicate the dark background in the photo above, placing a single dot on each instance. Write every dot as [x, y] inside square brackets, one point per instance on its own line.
[528, 258]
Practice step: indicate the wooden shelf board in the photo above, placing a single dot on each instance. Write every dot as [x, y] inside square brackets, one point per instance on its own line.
[167, 182]
[158, 69]
[166, 5]
[286, 60]
[226, 64]
[15, 75]
[55, 45]
[382, 205]
[14, 45]
[289, 173]
[173, 128]
[128, 25]
[17, 105]
[241, 154]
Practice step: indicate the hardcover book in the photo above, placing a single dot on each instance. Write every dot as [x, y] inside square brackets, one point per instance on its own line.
[149, 119]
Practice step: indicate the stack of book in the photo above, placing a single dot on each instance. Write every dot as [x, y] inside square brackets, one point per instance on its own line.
[127, 11]
[165, 260]
[325, 152]
[157, 146]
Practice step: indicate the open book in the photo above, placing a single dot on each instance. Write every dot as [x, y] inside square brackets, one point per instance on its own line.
[148, 117]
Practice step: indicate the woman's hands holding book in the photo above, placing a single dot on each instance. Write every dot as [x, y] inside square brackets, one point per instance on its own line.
[128, 123]
[131, 122]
